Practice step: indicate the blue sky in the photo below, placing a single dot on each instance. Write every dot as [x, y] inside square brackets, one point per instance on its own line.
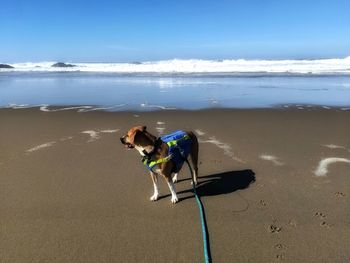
[82, 31]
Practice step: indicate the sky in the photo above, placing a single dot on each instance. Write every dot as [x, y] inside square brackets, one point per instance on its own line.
[134, 30]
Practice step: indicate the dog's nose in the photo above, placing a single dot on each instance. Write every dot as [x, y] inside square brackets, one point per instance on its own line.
[122, 139]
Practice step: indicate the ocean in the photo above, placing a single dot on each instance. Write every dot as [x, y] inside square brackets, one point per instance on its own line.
[178, 84]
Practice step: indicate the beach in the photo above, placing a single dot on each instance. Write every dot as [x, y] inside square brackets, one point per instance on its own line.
[275, 184]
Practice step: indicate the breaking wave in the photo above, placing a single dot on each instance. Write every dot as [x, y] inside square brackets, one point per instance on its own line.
[318, 66]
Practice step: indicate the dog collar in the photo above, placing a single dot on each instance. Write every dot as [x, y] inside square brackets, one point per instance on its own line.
[155, 147]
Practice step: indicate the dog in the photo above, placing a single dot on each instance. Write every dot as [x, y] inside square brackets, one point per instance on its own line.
[162, 157]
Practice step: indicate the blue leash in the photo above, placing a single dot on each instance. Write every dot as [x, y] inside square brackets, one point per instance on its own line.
[206, 247]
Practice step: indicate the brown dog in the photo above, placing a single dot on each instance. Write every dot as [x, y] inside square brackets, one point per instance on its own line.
[154, 149]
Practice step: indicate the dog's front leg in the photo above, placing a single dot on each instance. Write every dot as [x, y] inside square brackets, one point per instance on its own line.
[175, 178]
[155, 195]
[172, 189]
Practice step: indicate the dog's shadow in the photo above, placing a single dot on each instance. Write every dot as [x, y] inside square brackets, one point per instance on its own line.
[221, 183]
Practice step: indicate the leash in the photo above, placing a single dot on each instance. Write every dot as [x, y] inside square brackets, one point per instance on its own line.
[150, 164]
[206, 247]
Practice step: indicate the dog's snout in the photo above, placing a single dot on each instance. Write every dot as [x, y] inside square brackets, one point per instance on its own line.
[122, 139]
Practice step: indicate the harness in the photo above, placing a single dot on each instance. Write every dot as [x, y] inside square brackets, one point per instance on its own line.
[179, 144]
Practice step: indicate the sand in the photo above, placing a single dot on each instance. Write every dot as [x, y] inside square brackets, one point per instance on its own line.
[70, 192]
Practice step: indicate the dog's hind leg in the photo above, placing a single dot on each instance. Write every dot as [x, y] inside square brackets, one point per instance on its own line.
[194, 159]
[155, 195]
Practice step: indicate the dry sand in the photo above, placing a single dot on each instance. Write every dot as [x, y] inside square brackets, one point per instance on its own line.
[69, 191]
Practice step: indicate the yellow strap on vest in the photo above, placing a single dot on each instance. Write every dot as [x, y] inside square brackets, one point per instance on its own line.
[168, 158]
[174, 142]
[161, 160]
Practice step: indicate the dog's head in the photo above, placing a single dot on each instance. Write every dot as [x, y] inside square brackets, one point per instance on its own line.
[137, 136]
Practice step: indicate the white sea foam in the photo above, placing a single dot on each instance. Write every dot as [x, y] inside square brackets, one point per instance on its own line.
[322, 168]
[46, 108]
[94, 135]
[224, 146]
[199, 132]
[66, 138]
[318, 66]
[41, 146]
[334, 146]
[271, 158]
[145, 105]
[160, 130]
[24, 106]
[18, 106]
[88, 108]
[109, 131]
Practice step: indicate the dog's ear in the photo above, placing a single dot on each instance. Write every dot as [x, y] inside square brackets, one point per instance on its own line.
[136, 131]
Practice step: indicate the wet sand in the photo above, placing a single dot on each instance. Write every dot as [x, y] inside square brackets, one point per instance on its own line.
[69, 191]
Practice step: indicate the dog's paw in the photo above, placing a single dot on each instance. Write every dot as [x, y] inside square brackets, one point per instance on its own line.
[154, 197]
[174, 199]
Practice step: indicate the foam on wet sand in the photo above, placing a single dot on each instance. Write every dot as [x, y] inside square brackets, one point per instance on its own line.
[40, 147]
[322, 168]
[271, 158]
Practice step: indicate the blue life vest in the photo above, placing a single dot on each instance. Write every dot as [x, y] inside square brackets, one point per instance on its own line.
[179, 144]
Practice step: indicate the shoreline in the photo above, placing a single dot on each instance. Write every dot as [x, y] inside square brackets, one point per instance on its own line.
[140, 93]
[155, 108]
